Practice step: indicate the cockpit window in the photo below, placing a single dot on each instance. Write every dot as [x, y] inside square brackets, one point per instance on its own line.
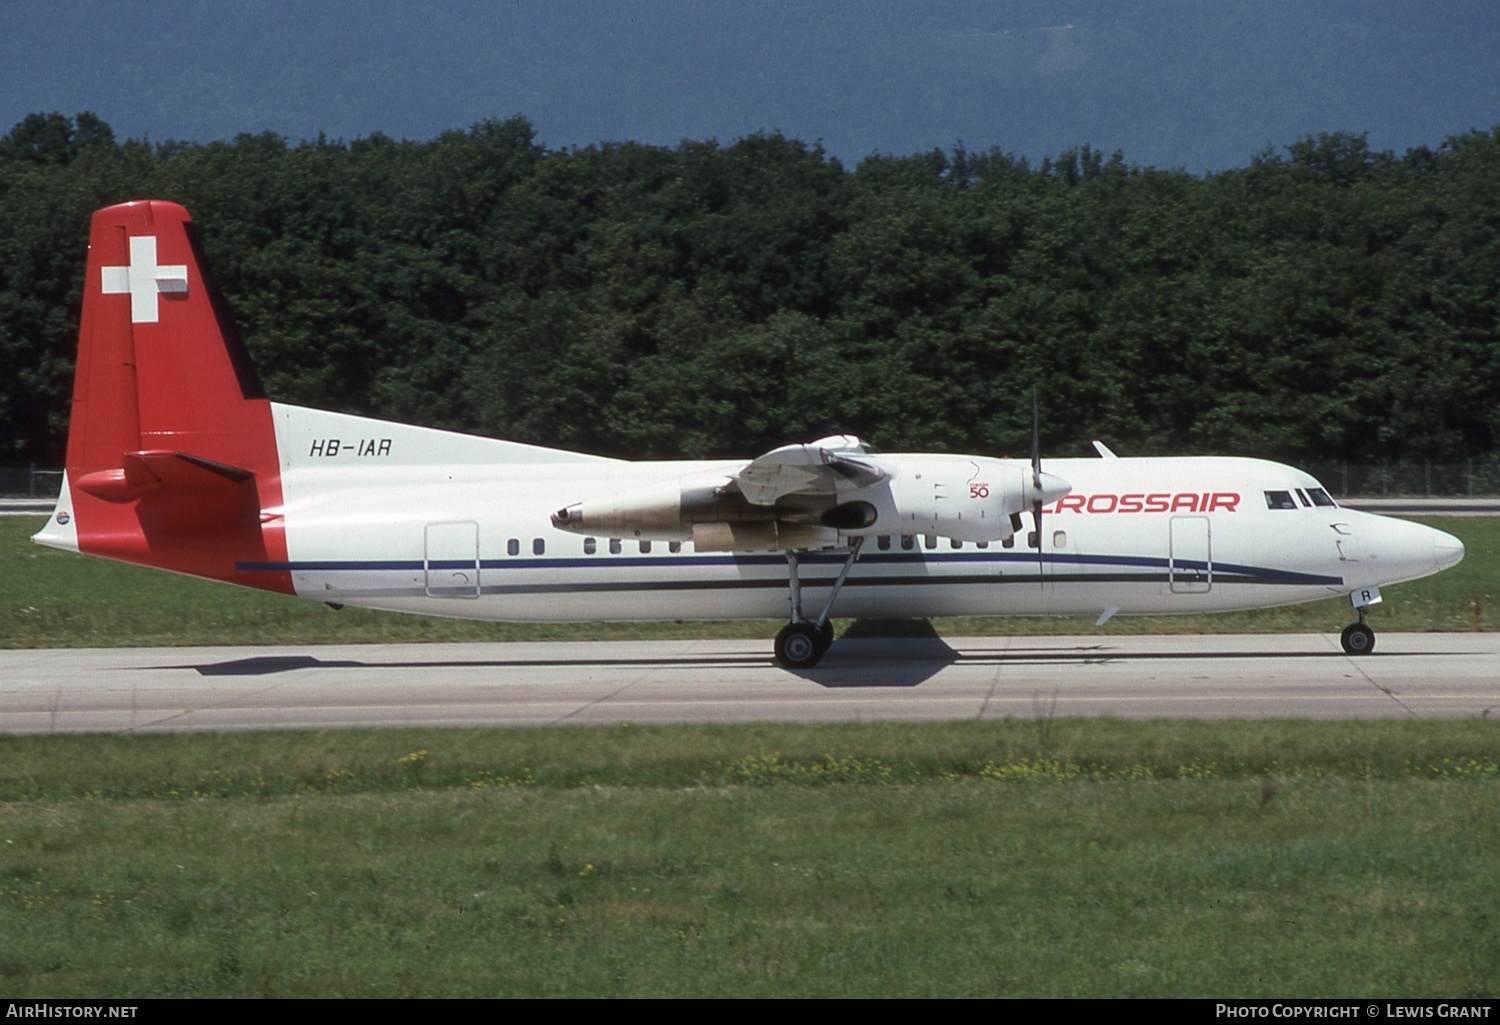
[1320, 498]
[1280, 500]
[1306, 504]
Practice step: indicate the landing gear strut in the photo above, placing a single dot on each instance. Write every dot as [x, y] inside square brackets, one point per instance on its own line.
[1358, 638]
[801, 643]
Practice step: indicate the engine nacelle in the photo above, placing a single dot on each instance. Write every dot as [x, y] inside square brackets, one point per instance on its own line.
[967, 498]
[768, 536]
[654, 514]
[670, 511]
[712, 518]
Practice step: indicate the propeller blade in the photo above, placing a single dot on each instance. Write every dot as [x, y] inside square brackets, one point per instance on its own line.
[1044, 488]
[1041, 568]
[1036, 484]
[1036, 443]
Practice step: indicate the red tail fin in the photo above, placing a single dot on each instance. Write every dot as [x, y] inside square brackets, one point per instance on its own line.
[172, 457]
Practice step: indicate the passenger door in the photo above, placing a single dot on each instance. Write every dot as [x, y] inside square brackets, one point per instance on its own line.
[450, 563]
[1190, 567]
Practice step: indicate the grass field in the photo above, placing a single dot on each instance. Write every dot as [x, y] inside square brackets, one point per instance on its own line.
[1031, 858]
[56, 599]
[1061, 858]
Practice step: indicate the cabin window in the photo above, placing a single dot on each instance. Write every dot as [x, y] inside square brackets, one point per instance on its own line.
[908, 542]
[513, 546]
[645, 547]
[1008, 542]
[614, 546]
[883, 542]
[930, 540]
[1032, 540]
[590, 546]
[674, 547]
[1280, 500]
[981, 544]
[1320, 498]
[1059, 539]
[538, 547]
[956, 543]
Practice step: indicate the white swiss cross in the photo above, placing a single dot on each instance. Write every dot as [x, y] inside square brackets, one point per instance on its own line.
[144, 279]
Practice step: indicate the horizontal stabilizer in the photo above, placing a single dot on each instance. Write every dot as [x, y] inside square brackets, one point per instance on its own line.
[144, 472]
[183, 470]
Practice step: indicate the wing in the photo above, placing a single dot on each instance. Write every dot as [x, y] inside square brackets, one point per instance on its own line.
[828, 466]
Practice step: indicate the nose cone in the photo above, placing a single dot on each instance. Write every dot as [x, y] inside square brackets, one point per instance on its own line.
[1447, 550]
[1387, 550]
[1053, 487]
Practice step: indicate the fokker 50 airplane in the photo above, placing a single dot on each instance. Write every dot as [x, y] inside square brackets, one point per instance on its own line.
[176, 459]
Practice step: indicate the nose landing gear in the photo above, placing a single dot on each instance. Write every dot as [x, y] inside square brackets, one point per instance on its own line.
[1358, 638]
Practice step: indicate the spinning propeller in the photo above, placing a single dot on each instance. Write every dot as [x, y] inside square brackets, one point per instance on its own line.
[1045, 487]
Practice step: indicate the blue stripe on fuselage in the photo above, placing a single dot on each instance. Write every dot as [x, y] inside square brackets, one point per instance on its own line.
[1027, 559]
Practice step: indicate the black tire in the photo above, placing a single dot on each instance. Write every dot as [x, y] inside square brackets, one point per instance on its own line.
[799, 646]
[1358, 639]
[825, 635]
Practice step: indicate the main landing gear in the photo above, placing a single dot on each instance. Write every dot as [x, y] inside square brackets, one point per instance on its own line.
[801, 643]
[1358, 638]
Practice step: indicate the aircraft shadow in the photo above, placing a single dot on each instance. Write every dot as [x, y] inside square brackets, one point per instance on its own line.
[884, 662]
[863, 663]
[906, 662]
[911, 662]
[266, 665]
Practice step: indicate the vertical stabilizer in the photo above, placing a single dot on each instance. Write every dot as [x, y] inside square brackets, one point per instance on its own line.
[172, 457]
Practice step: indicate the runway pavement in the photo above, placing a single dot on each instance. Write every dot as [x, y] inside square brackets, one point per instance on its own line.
[535, 684]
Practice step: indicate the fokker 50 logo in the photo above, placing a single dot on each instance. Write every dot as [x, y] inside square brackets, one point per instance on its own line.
[144, 279]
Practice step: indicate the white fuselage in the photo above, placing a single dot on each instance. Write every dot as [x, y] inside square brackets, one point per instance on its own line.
[414, 520]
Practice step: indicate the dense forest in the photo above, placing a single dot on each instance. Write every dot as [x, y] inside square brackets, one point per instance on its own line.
[1326, 301]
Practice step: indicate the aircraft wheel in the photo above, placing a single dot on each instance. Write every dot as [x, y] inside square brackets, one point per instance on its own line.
[1358, 639]
[799, 646]
[825, 635]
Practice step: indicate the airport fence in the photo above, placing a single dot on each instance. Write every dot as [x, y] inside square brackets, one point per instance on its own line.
[1471, 478]
[29, 482]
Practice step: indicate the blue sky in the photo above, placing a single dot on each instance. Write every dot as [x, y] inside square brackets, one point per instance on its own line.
[1200, 85]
